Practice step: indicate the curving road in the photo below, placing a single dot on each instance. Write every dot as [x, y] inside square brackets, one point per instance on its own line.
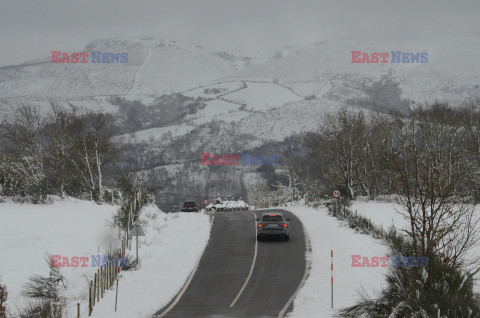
[236, 277]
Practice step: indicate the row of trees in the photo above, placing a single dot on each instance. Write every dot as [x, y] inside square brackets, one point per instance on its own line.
[360, 153]
[430, 158]
[61, 152]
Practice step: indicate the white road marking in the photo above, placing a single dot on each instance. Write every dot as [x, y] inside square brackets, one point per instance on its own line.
[186, 284]
[305, 276]
[251, 268]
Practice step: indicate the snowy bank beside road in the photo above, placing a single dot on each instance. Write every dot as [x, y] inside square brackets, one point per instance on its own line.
[327, 233]
[169, 251]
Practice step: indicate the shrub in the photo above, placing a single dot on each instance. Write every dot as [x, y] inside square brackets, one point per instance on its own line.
[39, 309]
[3, 301]
[409, 294]
[134, 197]
[46, 295]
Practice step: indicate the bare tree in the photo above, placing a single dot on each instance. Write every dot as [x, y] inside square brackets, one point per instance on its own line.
[260, 195]
[95, 148]
[23, 144]
[291, 170]
[60, 134]
[342, 144]
[428, 163]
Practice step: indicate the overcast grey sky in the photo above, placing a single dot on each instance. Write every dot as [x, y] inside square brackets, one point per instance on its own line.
[30, 29]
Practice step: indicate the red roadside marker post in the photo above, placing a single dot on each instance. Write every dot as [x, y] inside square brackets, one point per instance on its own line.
[332, 275]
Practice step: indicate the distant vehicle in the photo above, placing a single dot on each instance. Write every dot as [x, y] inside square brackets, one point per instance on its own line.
[272, 224]
[189, 206]
[228, 205]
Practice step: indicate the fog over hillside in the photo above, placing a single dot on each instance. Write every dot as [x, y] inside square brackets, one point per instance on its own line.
[33, 29]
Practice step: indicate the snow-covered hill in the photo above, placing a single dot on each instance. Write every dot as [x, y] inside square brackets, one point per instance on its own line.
[157, 66]
[246, 101]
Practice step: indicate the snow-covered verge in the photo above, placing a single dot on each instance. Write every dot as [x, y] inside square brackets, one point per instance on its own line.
[70, 227]
[326, 233]
[28, 232]
[169, 251]
[381, 213]
[387, 214]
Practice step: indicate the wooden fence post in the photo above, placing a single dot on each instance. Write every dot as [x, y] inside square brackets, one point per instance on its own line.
[98, 286]
[94, 288]
[111, 274]
[78, 310]
[102, 280]
[104, 283]
[106, 276]
[90, 299]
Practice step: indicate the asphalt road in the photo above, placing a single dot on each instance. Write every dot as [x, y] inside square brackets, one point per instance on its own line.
[232, 280]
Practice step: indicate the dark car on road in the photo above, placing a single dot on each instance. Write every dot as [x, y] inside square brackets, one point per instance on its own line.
[272, 224]
[189, 206]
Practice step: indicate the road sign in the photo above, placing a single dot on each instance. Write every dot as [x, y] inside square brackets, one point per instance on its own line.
[206, 202]
[137, 231]
[336, 193]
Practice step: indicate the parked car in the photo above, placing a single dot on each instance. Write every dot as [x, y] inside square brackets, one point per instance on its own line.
[272, 224]
[189, 206]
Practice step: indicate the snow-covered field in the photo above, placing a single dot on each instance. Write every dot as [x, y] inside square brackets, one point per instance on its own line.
[214, 90]
[263, 96]
[28, 232]
[156, 134]
[292, 118]
[381, 213]
[168, 253]
[326, 233]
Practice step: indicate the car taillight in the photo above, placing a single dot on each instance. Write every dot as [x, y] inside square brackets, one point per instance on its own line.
[284, 224]
[196, 207]
[261, 224]
[183, 208]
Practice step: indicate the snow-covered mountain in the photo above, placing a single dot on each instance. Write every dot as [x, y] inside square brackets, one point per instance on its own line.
[324, 69]
[240, 103]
